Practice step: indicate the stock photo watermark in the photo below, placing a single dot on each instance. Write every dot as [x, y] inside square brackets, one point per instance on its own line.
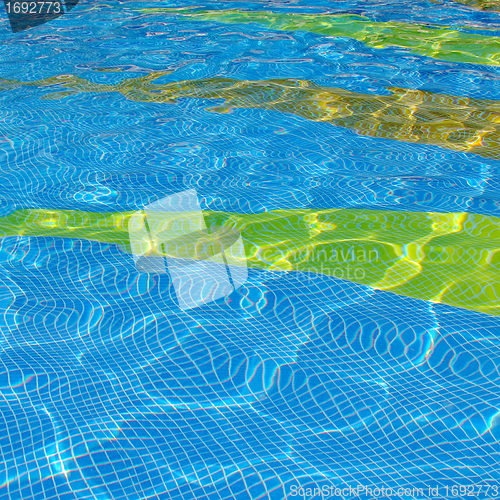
[342, 263]
[425, 492]
[24, 14]
[345, 272]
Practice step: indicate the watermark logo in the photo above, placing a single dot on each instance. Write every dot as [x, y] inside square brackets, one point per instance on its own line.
[24, 14]
[170, 236]
[347, 264]
[329, 491]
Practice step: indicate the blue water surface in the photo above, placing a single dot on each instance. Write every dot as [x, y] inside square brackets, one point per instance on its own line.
[108, 391]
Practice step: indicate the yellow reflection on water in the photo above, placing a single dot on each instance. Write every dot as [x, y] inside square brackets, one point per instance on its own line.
[453, 122]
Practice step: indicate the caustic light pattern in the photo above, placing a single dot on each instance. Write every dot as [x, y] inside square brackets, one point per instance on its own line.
[460, 124]
[432, 41]
[453, 258]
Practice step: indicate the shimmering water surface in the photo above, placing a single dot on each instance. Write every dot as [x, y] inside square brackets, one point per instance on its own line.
[354, 148]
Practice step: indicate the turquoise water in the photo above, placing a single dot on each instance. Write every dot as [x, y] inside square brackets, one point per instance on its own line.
[109, 391]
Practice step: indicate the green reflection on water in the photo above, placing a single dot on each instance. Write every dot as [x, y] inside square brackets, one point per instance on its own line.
[438, 42]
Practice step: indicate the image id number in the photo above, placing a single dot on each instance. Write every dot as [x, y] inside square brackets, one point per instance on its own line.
[33, 7]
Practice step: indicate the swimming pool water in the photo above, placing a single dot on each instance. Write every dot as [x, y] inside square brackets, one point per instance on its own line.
[311, 125]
